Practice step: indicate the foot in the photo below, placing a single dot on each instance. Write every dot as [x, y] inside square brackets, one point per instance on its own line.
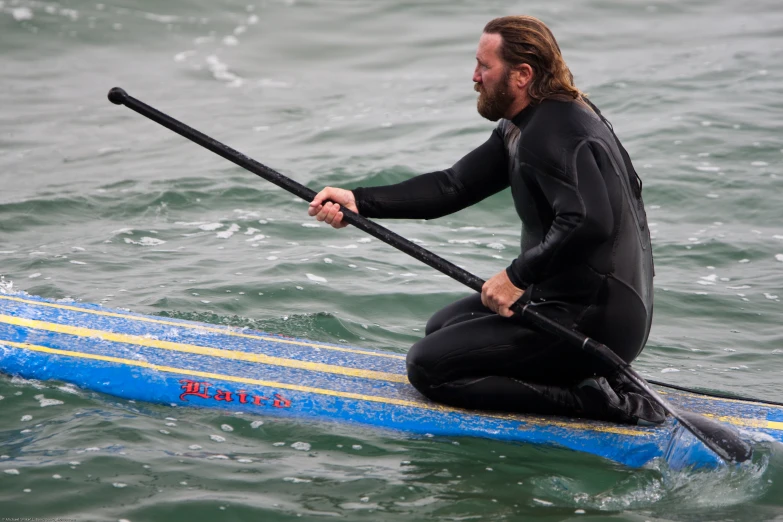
[601, 401]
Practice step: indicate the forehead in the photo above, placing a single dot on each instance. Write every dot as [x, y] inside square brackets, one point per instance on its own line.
[488, 47]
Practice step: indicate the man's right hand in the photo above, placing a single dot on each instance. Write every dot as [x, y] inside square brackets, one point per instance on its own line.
[327, 203]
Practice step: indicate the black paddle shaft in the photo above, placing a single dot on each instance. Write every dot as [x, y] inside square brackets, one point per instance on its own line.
[725, 443]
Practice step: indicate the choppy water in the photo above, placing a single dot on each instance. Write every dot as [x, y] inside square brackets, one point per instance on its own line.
[101, 205]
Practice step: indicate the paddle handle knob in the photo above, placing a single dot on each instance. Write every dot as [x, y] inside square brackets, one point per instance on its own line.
[118, 95]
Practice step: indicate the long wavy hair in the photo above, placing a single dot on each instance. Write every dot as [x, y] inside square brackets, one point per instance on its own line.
[527, 40]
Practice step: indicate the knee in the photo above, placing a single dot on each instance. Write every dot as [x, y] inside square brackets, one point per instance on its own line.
[418, 372]
[435, 322]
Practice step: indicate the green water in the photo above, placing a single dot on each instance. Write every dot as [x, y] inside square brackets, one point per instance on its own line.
[101, 205]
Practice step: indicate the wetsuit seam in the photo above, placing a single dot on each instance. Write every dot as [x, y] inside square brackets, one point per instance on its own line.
[631, 198]
[574, 183]
[553, 255]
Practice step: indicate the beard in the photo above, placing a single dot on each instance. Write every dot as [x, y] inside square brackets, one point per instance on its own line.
[494, 104]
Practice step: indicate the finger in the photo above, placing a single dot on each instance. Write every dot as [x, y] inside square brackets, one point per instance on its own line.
[324, 212]
[332, 213]
[338, 221]
[318, 199]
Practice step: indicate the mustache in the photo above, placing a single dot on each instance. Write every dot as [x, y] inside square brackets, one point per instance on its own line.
[477, 87]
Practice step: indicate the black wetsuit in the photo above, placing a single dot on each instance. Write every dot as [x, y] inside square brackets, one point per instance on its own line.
[585, 261]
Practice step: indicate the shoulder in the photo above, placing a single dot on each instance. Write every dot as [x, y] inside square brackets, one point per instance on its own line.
[567, 118]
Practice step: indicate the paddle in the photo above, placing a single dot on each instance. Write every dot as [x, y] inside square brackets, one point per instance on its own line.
[721, 439]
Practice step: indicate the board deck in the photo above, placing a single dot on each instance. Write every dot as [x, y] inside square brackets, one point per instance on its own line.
[184, 363]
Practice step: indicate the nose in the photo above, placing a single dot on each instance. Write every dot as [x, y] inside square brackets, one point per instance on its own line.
[476, 75]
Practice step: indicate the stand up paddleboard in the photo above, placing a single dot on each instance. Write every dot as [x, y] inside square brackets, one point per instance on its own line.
[184, 363]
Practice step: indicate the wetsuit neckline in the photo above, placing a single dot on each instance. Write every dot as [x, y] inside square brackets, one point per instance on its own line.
[524, 115]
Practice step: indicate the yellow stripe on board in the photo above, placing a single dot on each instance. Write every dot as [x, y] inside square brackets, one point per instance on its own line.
[201, 350]
[224, 331]
[749, 423]
[321, 391]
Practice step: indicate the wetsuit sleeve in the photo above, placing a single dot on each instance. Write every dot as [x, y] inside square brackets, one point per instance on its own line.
[483, 172]
[583, 220]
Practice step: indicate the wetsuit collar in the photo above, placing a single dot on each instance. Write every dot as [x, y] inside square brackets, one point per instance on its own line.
[523, 116]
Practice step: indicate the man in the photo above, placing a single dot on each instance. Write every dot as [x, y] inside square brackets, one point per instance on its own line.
[586, 259]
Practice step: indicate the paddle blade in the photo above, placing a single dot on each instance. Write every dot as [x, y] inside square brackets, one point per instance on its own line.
[724, 436]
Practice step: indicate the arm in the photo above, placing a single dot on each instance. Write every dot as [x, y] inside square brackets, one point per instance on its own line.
[583, 220]
[478, 175]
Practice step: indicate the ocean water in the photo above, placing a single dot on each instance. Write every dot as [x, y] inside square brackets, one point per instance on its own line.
[101, 205]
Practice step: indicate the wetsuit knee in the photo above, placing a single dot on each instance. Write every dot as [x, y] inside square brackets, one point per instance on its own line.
[419, 374]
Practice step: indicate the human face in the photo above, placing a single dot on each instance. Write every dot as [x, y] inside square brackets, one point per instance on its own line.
[492, 79]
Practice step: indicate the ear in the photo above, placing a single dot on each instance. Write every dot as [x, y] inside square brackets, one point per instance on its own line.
[522, 76]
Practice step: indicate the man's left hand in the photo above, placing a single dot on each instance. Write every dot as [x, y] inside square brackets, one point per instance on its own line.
[499, 293]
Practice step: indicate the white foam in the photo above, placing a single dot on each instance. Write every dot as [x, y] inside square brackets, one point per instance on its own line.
[670, 370]
[47, 402]
[11, 471]
[119, 485]
[271, 258]
[257, 237]
[77, 262]
[770, 296]
[496, 246]
[194, 447]
[328, 261]
[220, 70]
[295, 480]
[779, 257]
[230, 41]
[225, 234]
[542, 502]
[251, 231]
[759, 163]
[145, 241]
[27, 418]
[311, 225]
[317, 279]
[301, 446]
[217, 438]
[209, 227]
[184, 55]
[708, 168]
[33, 276]
[743, 261]
[346, 247]
[21, 13]
[256, 424]
[226, 427]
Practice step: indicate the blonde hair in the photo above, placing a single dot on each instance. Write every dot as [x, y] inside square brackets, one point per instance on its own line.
[527, 40]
